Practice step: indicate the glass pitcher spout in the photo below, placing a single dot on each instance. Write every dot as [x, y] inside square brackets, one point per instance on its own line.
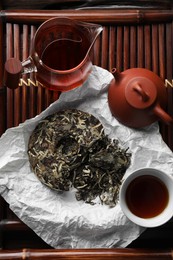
[91, 31]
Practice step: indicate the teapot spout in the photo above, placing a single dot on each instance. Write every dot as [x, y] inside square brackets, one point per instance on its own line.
[163, 115]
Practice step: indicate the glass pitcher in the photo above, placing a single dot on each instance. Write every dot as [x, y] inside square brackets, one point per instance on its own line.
[59, 57]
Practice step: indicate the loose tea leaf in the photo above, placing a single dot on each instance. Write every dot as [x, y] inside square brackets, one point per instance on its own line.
[70, 148]
[102, 174]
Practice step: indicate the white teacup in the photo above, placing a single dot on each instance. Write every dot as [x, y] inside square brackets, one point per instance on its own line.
[146, 197]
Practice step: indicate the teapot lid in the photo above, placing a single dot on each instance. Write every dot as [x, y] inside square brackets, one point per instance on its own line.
[140, 92]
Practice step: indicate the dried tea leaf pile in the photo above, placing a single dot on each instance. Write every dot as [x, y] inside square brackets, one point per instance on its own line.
[69, 148]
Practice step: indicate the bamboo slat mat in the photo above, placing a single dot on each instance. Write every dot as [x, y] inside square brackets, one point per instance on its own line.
[83, 254]
[130, 39]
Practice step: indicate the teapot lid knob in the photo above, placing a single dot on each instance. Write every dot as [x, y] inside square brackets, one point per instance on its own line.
[140, 92]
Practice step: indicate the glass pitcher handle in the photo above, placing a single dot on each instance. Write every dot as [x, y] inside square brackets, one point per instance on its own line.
[14, 69]
[12, 72]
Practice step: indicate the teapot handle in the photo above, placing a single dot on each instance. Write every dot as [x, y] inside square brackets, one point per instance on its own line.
[145, 97]
[162, 114]
[12, 72]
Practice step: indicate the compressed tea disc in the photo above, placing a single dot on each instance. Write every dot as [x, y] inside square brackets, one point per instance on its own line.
[60, 143]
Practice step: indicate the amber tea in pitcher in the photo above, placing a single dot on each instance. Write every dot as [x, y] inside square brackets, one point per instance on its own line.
[61, 54]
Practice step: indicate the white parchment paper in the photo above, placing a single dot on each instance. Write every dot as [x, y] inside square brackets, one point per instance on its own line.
[57, 217]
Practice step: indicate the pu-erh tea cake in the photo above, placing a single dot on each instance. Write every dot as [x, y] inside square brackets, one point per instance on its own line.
[70, 149]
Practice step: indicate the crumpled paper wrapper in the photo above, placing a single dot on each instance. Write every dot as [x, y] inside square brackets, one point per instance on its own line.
[57, 217]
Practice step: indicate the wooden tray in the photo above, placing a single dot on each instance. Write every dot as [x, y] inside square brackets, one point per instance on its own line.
[131, 38]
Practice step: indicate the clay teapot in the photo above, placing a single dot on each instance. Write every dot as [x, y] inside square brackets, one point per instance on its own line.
[137, 97]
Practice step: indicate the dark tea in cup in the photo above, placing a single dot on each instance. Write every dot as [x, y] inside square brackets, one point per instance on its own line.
[146, 197]
[149, 191]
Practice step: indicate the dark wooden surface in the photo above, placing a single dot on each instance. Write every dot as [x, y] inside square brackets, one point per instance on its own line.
[75, 4]
[131, 38]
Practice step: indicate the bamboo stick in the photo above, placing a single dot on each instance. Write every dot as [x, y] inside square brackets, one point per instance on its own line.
[85, 254]
[10, 92]
[155, 49]
[105, 46]
[24, 93]
[48, 97]
[140, 46]
[2, 89]
[133, 46]
[2, 214]
[169, 76]
[55, 96]
[119, 51]
[17, 99]
[112, 47]
[104, 16]
[126, 47]
[96, 53]
[148, 50]
[162, 71]
[12, 225]
[33, 89]
[161, 32]
[40, 91]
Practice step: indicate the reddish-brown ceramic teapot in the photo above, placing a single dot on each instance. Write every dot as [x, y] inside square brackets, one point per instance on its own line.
[137, 97]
